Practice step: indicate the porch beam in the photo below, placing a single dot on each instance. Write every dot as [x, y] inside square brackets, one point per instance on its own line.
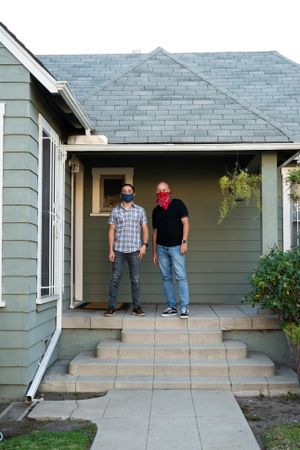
[269, 173]
[111, 148]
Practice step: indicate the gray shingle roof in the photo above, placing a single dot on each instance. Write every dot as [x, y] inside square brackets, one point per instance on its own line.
[188, 97]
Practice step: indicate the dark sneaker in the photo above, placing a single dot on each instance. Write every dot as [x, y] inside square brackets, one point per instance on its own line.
[184, 313]
[138, 311]
[110, 312]
[170, 311]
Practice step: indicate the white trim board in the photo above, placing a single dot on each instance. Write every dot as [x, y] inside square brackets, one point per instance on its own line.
[111, 148]
[44, 77]
[2, 113]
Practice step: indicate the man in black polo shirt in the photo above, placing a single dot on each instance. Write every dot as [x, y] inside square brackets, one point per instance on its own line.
[170, 220]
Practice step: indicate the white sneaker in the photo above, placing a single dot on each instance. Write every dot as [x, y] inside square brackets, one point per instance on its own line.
[170, 311]
[184, 313]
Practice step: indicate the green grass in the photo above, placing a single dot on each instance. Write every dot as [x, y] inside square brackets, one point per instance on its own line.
[78, 439]
[282, 437]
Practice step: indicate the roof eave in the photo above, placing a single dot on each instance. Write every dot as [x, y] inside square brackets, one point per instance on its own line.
[264, 146]
[32, 64]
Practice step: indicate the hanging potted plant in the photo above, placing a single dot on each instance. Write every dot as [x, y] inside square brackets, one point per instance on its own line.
[275, 286]
[293, 180]
[239, 185]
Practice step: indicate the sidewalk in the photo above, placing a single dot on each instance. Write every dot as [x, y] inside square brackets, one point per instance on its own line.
[159, 420]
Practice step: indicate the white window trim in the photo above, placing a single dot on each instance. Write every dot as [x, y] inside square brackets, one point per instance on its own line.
[2, 113]
[97, 172]
[59, 244]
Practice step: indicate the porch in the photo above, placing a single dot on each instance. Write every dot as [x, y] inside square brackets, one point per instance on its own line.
[220, 257]
[226, 347]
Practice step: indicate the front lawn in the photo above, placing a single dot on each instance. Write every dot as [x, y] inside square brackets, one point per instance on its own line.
[78, 439]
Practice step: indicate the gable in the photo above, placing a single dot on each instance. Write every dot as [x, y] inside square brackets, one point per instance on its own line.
[162, 100]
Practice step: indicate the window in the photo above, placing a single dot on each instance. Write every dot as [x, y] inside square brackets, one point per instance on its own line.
[291, 215]
[51, 214]
[110, 190]
[107, 183]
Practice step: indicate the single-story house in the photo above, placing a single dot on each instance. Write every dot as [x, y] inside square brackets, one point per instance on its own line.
[73, 128]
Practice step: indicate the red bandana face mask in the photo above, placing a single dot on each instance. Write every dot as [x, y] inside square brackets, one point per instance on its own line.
[163, 199]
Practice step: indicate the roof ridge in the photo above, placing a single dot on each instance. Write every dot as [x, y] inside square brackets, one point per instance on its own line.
[121, 74]
[224, 91]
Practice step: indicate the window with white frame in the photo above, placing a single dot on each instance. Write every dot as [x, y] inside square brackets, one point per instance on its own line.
[50, 214]
[291, 215]
[107, 183]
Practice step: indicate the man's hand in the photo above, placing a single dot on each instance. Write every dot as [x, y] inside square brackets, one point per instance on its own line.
[142, 251]
[183, 249]
[111, 256]
[155, 259]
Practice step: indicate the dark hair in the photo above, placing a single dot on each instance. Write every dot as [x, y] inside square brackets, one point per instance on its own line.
[128, 184]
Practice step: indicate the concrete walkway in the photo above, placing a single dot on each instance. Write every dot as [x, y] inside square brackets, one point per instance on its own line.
[158, 420]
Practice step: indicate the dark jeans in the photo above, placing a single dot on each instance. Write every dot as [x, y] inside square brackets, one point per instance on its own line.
[134, 273]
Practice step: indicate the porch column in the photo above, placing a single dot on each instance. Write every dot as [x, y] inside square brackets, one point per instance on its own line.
[269, 200]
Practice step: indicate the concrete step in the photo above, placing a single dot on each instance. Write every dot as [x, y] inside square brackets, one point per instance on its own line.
[112, 348]
[169, 336]
[57, 379]
[257, 364]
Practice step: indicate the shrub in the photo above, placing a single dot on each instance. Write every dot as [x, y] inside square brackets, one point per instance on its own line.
[276, 284]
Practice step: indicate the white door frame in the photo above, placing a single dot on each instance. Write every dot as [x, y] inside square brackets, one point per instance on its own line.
[77, 204]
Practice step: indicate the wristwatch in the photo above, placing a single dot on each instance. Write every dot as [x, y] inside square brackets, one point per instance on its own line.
[184, 241]
[145, 243]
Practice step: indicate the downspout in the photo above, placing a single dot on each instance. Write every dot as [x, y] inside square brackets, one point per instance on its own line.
[43, 364]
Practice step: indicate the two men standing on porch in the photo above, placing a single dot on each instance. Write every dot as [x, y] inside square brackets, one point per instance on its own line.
[124, 240]
[170, 220]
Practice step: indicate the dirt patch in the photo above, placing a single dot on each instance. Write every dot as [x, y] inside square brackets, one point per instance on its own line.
[264, 412]
[16, 428]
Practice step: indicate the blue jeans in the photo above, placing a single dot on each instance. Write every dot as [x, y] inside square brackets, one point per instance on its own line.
[134, 273]
[171, 260]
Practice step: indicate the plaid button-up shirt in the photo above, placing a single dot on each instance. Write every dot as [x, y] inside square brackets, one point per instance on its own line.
[128, 227]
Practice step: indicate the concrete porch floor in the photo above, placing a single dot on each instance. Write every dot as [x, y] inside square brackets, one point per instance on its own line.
[224, 317]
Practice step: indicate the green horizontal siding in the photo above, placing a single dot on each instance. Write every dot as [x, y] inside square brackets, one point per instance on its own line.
[24, 325]
[220, 257]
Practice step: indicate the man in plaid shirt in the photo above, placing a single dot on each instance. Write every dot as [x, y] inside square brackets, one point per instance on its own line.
[126, 223]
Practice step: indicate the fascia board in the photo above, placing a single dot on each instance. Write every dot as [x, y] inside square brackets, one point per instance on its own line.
[28, 61]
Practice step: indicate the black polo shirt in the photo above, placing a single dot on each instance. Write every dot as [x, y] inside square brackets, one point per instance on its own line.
[168, 223]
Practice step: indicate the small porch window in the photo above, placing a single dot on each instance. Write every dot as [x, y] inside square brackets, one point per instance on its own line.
[107, 183]
[50, 215]
[110, 188]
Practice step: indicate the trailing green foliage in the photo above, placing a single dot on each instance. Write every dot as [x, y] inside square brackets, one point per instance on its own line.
[276, 284]
[236, 186]
[293, 180]
[294, 176]
[292, 332]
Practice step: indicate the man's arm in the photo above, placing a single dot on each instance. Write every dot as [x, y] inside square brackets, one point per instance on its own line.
[154, 237]
[111, 240]
[185, 234]
[145, 234]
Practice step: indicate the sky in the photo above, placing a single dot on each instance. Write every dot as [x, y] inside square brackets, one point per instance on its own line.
[124, 26]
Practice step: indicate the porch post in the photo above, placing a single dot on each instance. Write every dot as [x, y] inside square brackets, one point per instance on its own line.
[269, 200]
